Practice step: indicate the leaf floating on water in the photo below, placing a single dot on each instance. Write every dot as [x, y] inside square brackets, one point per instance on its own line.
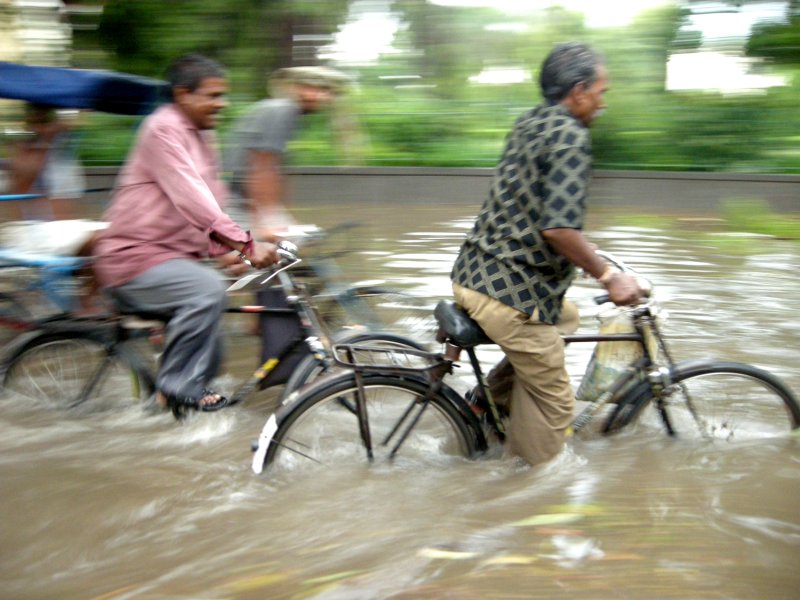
[333, 577]
[622, 556]
[511, 559]
[558, 531]
[445, 554]
[548, 519]
[584, 509]
[257, 582]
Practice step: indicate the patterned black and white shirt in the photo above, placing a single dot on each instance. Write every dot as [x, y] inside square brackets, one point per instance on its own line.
[540, 183]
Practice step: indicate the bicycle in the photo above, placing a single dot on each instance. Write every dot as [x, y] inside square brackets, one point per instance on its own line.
[85, 361]
[380, 407]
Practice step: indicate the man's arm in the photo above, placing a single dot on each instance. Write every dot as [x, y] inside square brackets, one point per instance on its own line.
[264, 187]
[571, 244]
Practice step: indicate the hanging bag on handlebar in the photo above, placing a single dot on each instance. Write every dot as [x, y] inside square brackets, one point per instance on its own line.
[609, 359]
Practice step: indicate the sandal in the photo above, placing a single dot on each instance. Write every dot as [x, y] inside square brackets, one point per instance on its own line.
[179, 404]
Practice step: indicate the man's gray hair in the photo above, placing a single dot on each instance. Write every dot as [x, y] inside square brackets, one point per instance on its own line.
[190, 70]
[566, 66]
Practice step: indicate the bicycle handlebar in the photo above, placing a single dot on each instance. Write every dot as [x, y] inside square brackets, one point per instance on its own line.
[287, 252]
[644, 283]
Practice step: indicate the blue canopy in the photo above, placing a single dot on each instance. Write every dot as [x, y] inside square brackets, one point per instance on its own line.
[104, 91]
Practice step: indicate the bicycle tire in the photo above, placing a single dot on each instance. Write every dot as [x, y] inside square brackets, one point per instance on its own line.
[12, 315]
[321, 426]
[312, 367]
[81, 371]
[726, 401]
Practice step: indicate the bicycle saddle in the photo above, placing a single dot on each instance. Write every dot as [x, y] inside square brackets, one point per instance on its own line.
[457, 326]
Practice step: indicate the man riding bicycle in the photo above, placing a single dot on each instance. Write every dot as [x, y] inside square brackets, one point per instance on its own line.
[518, 260]
[165, 215]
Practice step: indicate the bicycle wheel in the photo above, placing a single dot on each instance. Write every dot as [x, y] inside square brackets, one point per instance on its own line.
[75, 370]
[312, 367]
[13, 316]
[717, 400]
[322, 426]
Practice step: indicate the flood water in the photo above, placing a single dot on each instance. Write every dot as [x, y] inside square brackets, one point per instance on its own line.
[135, 505]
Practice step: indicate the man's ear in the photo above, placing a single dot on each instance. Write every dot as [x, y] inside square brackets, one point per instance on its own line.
[179, 93]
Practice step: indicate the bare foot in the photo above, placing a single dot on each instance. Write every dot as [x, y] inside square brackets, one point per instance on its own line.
[209, 399]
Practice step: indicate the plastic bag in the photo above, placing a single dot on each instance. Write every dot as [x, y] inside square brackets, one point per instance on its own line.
[609, 359]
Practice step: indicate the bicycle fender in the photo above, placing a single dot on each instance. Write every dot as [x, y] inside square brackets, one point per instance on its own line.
[262, 445]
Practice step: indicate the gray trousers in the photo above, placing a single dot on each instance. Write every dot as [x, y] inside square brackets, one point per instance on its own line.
[193, 297]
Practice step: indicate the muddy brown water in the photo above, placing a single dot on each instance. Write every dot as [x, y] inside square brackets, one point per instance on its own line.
[134, 505]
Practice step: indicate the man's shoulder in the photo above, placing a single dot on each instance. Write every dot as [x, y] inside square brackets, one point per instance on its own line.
[167, 117]
[554, 122]
[272, 107]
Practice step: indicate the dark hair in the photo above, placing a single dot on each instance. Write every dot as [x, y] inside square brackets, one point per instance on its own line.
[566, 66]
[190, 70]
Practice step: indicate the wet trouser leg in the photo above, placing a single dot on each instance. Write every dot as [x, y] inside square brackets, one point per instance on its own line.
[542, 398]
[193, 296]
[501, 377]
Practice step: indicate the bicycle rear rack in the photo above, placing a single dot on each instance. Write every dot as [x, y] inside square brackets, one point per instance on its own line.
[367, 358]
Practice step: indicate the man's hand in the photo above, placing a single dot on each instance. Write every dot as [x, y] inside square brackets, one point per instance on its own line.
[263, 255]
[232, 264]
[623, 289]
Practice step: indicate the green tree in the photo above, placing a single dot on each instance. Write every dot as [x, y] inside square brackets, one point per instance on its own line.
[251, 37]
[778, 42]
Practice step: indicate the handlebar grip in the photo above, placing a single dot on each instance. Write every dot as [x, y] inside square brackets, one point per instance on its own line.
[287, 250]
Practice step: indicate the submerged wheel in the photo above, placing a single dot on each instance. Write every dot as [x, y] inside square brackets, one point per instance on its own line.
[73, 371]
[310, 368]
[718, 400]
[322, 426]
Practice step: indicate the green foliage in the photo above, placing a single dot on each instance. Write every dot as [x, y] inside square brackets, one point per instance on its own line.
[437, 116]
[250, 37]
[780, 43]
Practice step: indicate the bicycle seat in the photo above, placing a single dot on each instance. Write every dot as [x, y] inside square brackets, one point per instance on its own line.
[457, 326]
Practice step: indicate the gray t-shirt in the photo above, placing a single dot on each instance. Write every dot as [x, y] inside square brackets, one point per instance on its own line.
[267, 126]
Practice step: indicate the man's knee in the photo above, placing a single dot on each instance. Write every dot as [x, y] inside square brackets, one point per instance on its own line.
[211, 295]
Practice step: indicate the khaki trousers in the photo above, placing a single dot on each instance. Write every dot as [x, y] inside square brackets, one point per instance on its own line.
[534, 372]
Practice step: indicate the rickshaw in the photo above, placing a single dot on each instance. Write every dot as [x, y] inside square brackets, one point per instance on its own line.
[37, 258]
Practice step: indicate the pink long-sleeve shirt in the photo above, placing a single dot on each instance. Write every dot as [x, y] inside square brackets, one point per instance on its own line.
[167, 201]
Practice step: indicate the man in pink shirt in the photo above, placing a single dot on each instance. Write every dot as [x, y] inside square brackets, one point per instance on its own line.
[165, 215]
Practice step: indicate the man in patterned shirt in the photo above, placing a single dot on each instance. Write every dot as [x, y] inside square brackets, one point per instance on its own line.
[517, 262]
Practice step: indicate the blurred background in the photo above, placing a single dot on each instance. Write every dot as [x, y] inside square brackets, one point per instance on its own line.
[696, 85]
